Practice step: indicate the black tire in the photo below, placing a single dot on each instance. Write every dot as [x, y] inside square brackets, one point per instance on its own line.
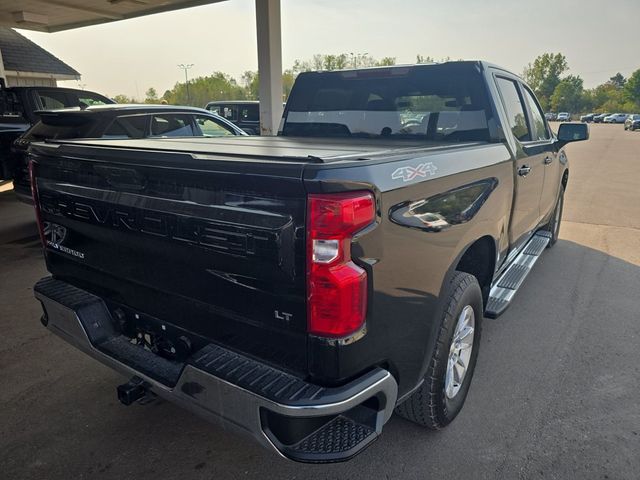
[554, 224]
[429, 406]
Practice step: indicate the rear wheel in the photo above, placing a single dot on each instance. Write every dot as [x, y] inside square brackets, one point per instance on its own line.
[556, 219]
[442, 394]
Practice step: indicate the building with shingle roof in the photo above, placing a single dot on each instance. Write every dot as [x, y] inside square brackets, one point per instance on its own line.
[24, 63]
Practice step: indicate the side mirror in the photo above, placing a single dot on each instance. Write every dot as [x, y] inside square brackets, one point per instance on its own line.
[572, 132]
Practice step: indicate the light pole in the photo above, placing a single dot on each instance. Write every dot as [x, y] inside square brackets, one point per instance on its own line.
[186, 68]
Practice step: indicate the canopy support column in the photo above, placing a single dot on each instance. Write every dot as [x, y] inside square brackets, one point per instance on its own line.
[269, 35]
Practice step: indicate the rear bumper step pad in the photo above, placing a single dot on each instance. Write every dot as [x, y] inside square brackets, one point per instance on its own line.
[300, 420]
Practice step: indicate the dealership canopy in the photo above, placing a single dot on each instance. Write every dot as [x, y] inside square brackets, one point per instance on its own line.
[58, 15]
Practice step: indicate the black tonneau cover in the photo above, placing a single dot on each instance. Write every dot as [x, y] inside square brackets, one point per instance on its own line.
[320, 150]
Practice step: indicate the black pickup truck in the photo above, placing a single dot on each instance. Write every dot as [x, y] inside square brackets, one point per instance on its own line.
[303, 287]
[18, 107]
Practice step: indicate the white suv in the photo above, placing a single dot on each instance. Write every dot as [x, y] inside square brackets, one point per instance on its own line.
[564, 117]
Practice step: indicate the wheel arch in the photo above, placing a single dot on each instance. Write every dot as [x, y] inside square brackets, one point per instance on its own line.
[479, 260]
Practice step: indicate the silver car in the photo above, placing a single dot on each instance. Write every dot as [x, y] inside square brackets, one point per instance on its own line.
[616, 118]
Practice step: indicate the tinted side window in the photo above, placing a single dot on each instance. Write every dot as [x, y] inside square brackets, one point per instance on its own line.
[89, 100]
[538, 129]
[133, 126]
[229, 112]
[51, 99]
[515, 110]
[12, 110]
[211, 128]
[171, 126]
[250, 113]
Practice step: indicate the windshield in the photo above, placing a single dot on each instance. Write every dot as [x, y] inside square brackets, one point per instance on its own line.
[431, 102]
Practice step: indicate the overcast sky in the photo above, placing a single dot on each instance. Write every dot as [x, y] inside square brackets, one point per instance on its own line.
[599, 37]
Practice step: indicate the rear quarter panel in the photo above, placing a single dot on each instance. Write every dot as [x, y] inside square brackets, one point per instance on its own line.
[409, 263]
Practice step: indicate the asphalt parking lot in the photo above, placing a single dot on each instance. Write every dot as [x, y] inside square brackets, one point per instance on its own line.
[555, 395]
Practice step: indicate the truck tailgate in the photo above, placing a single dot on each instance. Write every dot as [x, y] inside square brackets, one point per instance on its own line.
[210, 248]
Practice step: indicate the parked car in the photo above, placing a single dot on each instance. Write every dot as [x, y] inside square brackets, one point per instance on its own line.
[550, 116]
[303, 288]
[17, 113]
[243, 113]
[564, 117]
[588, 118]
[632, 122]
[615, 118]
[114, 122]
[600, 117]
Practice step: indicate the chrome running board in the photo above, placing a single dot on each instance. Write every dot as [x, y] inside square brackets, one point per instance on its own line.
[511, 280]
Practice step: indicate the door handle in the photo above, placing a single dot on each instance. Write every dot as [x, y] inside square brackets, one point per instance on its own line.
[548, 160]
[524, 170]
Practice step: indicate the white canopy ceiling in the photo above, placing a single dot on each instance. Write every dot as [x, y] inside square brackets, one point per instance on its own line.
[57, 15]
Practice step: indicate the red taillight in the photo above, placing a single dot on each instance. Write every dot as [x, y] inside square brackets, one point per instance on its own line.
[336, 287]
[36, 202]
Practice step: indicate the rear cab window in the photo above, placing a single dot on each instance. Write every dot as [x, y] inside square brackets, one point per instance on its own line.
[446, 103]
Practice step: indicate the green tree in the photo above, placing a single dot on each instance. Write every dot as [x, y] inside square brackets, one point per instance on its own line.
[567, 96]
[288, 79]
[423, 59]
[617, 80]
[217, 86]
[341, 61]
[151, 96]
[334, 62]
[387, 61]
[632, 88]
[120, 98]
[544, 75]
[251, 82]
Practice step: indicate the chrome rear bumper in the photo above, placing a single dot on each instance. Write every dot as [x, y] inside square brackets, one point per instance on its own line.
[299, 420]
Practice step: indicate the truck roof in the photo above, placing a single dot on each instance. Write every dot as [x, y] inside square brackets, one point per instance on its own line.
[399, 66]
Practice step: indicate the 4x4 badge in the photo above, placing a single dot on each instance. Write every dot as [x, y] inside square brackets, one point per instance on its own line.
[409, 173]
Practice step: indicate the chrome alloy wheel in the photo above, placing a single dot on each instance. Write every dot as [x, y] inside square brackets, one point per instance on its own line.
[460, 352]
